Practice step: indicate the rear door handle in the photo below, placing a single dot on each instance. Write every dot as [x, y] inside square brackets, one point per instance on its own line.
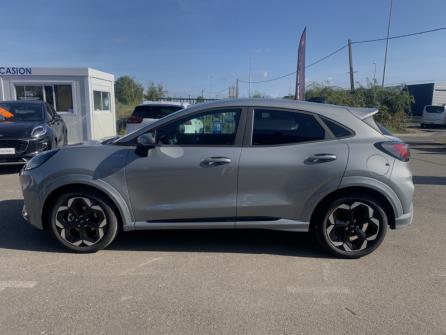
[215, 161]
[320, 158]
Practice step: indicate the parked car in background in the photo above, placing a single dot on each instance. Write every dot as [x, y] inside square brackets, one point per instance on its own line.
[28, 128]
[254, 163]
[433, 115]
[150, 111]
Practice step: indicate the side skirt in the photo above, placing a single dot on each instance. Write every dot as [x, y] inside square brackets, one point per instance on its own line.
[280, 224]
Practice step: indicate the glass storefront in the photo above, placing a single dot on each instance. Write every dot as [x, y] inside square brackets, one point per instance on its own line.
[59, 96]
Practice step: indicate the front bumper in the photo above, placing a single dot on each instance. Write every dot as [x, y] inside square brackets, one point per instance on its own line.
[32, 208]
[26, 150]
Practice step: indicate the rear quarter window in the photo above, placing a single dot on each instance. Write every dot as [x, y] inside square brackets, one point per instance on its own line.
[338, 130]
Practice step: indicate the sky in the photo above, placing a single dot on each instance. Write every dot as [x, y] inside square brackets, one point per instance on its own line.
[192, 45]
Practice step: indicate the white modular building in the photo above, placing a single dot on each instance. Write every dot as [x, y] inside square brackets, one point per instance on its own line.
[84, 97]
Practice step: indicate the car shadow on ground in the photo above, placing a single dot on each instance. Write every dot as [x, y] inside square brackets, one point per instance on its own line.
[16, 234]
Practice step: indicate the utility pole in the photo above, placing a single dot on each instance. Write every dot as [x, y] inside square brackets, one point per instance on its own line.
[387, 42]
[350, 60]
[236, 89]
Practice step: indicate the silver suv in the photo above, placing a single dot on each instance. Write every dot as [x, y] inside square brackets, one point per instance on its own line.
[272, 164]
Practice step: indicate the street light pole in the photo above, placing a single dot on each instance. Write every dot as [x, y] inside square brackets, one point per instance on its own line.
[387, 43]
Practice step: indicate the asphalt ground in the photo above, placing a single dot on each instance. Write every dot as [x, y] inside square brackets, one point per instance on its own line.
[230, 282]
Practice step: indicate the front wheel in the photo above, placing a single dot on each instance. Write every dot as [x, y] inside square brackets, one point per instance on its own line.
[351, 226]
[83, 221]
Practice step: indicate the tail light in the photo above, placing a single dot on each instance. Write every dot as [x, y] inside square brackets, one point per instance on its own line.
[134, 119]
[395, 149]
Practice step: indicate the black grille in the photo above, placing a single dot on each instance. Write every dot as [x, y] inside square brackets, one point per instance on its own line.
[20, 146]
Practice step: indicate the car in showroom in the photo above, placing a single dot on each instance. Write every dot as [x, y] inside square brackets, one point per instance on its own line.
[433, 115]
[28, 128]
[256, 163]
[151, 111]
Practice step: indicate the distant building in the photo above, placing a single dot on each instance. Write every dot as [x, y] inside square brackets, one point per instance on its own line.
[427, 94]
[84, 97]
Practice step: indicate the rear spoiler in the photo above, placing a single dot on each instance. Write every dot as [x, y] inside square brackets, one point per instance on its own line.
[366, 115]
[362, 113]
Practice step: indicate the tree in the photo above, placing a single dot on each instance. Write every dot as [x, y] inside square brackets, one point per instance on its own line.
[393, 103]
[257, 95]
[154, 92]
[199, 99]
[128, 91]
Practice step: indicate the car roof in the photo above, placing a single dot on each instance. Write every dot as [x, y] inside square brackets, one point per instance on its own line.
[161, 103]
[320, 108]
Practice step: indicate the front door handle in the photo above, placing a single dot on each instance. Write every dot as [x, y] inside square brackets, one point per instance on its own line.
[215, 161]
[320, 158]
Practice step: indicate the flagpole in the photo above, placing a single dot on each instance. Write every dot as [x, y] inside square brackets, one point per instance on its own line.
[300, 73]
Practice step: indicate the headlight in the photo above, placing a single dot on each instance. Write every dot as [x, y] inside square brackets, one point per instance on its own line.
[38, 160]
[38, 131]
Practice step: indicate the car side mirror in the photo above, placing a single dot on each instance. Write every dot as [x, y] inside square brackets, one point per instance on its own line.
[145, 142]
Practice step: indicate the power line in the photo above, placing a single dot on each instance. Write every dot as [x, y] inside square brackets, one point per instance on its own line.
[342, 48]
[400, 36]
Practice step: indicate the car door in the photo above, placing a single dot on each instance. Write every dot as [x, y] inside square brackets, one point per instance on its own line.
[289, 160]
[191, 174]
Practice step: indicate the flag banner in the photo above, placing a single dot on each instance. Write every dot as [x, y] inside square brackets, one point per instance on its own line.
[300, 74]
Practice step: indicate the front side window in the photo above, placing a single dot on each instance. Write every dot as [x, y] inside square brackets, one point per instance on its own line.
[274, 127]
[101, 101]
[209, 128]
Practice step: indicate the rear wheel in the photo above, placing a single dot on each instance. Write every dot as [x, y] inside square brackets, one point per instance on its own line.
[351, 226]
[83, 221]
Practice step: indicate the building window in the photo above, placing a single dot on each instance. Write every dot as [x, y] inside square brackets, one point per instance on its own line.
[101, 101]
[64, 98]
[58, 96]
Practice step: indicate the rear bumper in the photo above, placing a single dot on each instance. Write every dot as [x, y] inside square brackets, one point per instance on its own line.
[403, 220]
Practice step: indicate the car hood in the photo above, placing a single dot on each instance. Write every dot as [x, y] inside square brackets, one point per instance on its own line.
[13, 130]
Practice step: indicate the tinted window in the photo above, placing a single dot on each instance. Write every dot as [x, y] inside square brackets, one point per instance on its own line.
[210, 128]
[155, 112]
[279, 127]
[17, 111]
[337, 130]
[384, 130]
[435, 109]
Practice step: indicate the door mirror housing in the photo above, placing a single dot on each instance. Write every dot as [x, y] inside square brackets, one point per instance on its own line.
[145, 142]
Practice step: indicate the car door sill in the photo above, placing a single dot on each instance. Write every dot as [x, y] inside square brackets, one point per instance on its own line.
[281, 224]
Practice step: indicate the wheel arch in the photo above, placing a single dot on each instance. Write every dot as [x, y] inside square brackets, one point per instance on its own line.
[120, 206]
[346, 191]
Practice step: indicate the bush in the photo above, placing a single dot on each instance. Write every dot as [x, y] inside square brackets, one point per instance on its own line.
[393, 103]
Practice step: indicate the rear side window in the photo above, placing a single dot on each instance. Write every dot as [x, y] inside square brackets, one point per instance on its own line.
[273, 127]
[338, 130]
[154, 112]
[435, 109]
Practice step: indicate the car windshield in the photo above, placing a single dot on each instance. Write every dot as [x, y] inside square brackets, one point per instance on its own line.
[435, 109]
[19, 112]
[155, 111]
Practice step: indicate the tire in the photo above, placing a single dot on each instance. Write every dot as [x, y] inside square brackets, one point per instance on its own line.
[83, 220]
[351, 226]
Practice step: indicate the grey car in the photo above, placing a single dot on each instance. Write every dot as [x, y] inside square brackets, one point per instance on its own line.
[250, 163]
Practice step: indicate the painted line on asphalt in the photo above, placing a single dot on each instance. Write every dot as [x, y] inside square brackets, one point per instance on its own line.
[320, 290]
[4, 284]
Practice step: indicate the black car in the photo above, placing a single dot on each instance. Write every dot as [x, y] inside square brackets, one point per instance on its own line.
[27, 128]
